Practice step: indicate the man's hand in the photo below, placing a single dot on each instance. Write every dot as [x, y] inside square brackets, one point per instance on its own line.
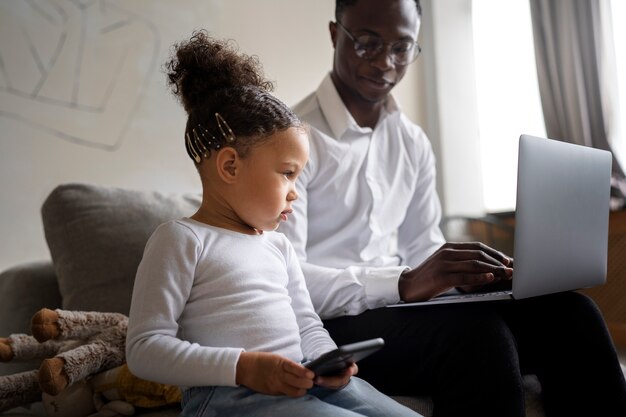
[466, 266]
[273, 374]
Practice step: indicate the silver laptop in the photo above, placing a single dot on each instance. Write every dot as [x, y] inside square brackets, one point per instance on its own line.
[561, 221]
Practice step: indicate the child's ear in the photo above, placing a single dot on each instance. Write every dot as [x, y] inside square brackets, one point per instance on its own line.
[228, 162]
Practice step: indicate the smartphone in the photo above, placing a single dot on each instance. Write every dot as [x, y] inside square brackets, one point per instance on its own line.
[335, 361]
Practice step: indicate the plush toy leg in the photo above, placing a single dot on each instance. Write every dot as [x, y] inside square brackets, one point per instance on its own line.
[52, 376]
[6, 353]
[44, 325]
[68, 367]
[19, 389]
[22, 347]
[63, 324]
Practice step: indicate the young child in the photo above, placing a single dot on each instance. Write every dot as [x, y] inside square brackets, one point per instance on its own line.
[220, 306]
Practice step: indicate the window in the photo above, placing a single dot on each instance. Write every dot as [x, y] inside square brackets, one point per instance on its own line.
[508, 99]
[618, 11]
[507, 93]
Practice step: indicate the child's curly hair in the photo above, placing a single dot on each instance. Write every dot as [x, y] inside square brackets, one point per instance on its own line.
[210, 76]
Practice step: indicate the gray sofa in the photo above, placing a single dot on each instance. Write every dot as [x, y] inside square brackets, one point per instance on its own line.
[96, 237]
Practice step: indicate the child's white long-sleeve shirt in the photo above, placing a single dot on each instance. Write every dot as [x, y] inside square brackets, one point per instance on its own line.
[204, 294]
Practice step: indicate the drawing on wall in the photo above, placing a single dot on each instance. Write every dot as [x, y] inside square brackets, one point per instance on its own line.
[75, 69]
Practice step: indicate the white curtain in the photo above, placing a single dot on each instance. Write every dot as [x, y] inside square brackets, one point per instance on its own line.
[576, 73]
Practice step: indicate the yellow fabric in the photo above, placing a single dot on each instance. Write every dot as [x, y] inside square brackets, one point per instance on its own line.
[140, 392]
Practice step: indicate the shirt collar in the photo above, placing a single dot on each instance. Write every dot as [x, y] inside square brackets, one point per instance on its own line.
[337, 115]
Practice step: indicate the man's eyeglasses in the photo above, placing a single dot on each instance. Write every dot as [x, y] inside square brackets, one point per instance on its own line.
[370, 46]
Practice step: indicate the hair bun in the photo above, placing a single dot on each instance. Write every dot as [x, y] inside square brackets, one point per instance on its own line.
[204, 67]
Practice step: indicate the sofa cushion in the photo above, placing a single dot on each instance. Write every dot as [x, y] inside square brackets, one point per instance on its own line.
[96, 236]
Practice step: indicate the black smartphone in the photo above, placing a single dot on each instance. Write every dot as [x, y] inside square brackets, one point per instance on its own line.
[335, 361]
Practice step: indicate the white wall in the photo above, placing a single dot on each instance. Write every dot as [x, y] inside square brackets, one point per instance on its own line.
[83, 97]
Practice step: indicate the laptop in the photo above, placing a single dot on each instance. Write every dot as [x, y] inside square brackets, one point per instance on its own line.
[561, 222]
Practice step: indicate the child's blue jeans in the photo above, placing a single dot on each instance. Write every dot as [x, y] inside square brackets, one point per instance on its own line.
[358, 398]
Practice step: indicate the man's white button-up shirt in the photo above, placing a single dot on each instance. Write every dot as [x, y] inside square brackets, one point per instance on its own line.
[367, 205]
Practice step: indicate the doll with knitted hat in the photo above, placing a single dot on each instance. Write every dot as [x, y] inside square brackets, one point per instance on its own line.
[79, 348]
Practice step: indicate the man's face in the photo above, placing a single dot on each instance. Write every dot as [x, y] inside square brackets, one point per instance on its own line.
[372, 80]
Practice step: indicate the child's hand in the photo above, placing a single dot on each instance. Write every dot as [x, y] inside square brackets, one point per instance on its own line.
[337, 381]
[273, 374]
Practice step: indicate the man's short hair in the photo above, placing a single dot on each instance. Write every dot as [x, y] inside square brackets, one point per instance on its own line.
[340, 6]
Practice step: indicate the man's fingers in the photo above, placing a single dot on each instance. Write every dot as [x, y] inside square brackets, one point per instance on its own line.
[473, 279]
[475, 266]
[465, 249]
[457, 254]
[479, 278]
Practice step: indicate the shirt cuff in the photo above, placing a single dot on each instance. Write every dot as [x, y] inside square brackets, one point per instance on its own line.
[381, 285]
[232, 361]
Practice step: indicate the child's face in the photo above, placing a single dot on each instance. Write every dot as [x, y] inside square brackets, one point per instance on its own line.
[268, 179]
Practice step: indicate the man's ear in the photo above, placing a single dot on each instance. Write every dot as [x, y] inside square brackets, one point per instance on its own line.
[227, 163]
[332, 28]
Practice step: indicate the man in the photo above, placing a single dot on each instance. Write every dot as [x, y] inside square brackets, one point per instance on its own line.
[366, 228]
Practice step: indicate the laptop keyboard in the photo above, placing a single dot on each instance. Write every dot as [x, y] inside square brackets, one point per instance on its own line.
[465, 296]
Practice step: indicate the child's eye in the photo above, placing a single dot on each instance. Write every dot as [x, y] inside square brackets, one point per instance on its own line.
[289, 174]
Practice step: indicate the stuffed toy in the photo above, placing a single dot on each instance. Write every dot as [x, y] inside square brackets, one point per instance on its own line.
[112, 393]
[75, 347]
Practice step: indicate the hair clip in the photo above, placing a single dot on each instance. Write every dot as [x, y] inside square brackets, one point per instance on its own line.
[191, 150]
[221, 123]
[200, 142]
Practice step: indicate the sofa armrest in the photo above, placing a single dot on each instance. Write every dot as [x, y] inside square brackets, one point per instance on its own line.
[24, 289]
